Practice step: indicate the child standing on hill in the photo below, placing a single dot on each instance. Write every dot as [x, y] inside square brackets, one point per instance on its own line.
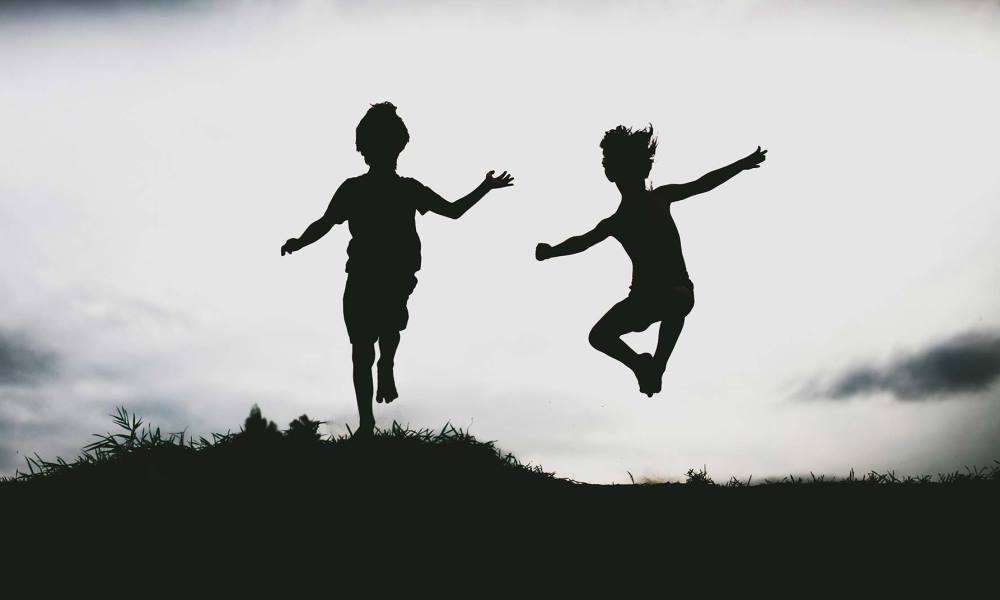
[383, 255]
[661, 290]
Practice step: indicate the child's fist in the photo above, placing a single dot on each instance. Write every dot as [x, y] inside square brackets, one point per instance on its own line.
[543, 251]
[290, 246]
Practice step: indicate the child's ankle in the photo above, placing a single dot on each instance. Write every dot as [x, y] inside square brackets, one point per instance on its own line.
[640, 362]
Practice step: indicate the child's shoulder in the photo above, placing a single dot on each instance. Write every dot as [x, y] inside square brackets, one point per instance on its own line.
[357, 179]
[352, 186]
[410, 181]
[412, 186]
[610, 220]
[352, 182]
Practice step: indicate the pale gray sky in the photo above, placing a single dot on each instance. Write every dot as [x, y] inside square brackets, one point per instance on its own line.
[155, 159]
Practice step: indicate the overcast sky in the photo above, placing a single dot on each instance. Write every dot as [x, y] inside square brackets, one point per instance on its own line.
[154, 160]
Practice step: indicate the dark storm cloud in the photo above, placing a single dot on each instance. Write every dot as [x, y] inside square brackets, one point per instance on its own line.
[967, 363]
[22, 362]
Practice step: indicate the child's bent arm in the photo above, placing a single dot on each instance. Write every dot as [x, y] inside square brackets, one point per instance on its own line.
[317, 228]
[456, 209]
[573, 245]
[711, 180]
[315, 231]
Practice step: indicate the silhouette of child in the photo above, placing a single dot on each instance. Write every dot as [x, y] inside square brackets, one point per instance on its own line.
[661, 290]
[383, 255]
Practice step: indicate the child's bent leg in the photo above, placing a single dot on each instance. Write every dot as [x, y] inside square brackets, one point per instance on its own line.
[387, 345]
[363, 356]
[606, 337]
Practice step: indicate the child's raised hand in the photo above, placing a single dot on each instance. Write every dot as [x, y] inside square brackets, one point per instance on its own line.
[504, 180]
[754, 159]
[290, 246]
[543, 251]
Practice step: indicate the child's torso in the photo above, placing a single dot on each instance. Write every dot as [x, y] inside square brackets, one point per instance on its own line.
[383, 226]
[647, 232]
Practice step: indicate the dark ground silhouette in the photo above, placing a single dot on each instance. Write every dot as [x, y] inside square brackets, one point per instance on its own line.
[402, 489]
[661, 291]
[443, 502]
[384, 252]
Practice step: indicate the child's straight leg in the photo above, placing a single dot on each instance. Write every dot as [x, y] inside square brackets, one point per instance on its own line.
[680, 303]
[670, 330]
[363, 356]
[387, 345]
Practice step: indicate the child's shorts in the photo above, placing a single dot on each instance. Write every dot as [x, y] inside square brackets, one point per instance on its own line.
[375, 305]
[645, 307]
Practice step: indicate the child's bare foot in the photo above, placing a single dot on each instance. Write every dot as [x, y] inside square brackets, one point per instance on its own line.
[656, 377]
[386, 386]
[647, 375]
[365, 431]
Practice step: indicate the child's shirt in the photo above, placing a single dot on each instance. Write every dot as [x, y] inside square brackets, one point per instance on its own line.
[381, 213]
[647, 232]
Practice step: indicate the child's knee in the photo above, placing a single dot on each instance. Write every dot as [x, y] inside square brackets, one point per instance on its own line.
[597, 336]
[363, 355]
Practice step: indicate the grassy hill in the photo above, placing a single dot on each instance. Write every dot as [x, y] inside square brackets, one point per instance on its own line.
[449, 477]
[261, 456]
[234, 506]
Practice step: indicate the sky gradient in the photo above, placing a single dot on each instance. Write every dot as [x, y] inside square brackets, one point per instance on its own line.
[846, 293]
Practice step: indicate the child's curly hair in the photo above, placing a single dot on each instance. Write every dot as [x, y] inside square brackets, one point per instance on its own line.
[628, 152]
[381, 134]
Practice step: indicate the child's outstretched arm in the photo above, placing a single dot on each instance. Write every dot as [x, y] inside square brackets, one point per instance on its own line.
[573, 245]
[679, 191]
[317, 228]
[456, 209]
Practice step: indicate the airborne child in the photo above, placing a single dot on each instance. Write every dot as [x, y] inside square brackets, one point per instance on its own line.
[383, 255]
[661, 290]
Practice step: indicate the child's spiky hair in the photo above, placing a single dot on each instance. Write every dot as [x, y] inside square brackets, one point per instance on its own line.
[630, 150]
[381, 133]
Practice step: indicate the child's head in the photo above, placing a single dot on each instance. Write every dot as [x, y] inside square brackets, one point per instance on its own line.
[628, 154]
[381, 135]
